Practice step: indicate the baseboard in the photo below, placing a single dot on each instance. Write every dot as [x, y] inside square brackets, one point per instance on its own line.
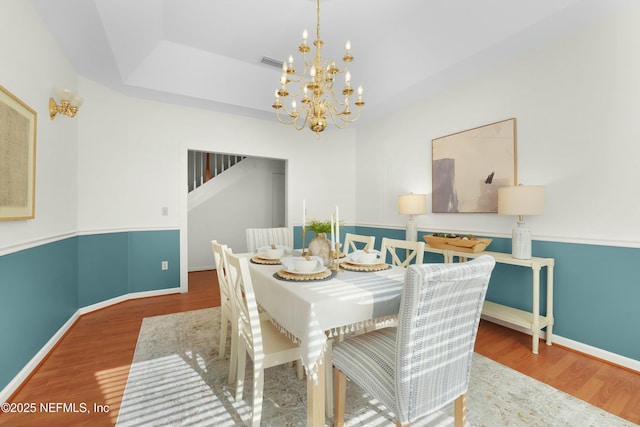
[15, 383]
[202, 268]
[35, 361]
[127, 297]
[607, 356]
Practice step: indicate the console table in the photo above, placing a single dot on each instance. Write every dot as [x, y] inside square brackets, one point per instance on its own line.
[532, 321]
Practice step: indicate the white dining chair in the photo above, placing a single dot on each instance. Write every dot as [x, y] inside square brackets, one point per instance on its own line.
[260, 237]
[413, 252]
[423, 364]
[264, 343]
[226, 309]
[354, 242]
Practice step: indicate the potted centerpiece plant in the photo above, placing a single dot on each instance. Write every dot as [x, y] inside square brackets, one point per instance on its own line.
[319, 227]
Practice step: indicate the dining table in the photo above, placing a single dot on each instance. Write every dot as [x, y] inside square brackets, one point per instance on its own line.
[314, 312]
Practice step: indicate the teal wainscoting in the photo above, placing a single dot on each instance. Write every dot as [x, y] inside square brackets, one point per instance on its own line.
[147, 250]
[38, 294]
[103, 271]
[596, 289]
[115, 264]
[42, 287]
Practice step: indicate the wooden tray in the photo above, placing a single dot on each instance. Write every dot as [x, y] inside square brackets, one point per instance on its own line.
[475, 244]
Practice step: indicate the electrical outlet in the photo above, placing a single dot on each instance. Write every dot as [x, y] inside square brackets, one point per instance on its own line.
[165, 265]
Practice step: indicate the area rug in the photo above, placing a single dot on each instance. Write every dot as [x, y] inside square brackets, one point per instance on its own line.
[176, 379]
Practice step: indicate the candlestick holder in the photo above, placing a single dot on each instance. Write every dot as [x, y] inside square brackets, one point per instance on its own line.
[304, 240]
[335, 258]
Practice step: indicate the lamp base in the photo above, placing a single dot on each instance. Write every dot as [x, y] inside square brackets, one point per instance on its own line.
[412, 231]
[521, 242]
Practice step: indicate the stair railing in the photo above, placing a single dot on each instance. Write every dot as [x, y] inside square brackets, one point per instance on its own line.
[204, 166]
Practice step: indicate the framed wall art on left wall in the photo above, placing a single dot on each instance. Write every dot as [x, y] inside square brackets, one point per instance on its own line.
[17, 158]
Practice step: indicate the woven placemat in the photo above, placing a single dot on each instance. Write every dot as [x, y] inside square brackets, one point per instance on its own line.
[257, 260]
[285, 275]
[359, 267]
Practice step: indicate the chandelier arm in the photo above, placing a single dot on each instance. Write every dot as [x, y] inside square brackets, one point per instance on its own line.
[332, 116]
[294, 118]
[284, 121]
[345, 119]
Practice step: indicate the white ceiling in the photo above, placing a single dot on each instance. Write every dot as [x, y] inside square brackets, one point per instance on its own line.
[207, 53]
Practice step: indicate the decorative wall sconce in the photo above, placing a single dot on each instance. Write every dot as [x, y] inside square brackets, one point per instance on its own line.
[69, 103]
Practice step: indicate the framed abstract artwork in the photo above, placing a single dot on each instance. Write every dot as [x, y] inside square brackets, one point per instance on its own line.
[469, 166]
[17, 158]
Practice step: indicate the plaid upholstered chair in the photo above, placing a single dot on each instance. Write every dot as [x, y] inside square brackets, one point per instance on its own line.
[424, 363]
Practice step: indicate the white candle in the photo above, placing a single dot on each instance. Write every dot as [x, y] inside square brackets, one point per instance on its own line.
[337, 225]
[304, 213]
[333, 234]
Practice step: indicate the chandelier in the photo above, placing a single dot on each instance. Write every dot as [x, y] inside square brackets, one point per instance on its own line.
[315, 89]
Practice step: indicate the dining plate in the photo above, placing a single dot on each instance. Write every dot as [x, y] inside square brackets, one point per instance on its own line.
[376, 262]
[264, 256]
[308, 273]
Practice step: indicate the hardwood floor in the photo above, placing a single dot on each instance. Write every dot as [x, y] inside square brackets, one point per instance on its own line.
[91, 363]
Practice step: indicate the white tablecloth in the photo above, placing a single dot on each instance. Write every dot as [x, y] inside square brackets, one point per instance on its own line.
[308, 309]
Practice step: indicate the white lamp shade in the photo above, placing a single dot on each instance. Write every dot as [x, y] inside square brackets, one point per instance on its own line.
[412, 204]
[521, 200]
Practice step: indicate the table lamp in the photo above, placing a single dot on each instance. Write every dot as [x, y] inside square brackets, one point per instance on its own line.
[521, 200]
[412, 204]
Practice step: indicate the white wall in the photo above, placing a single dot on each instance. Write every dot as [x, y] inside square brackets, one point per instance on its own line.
[32, 66]
[577, 106]
[133, 161]
[237, 199]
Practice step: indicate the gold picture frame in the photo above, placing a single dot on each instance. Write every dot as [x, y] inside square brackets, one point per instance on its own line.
[17, 158]
[468, 167]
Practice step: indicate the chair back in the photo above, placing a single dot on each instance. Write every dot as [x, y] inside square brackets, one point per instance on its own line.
[222, 272]
[260, 237]
[438, 321]
[244, 304]
[353, 242]
[402, 252]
